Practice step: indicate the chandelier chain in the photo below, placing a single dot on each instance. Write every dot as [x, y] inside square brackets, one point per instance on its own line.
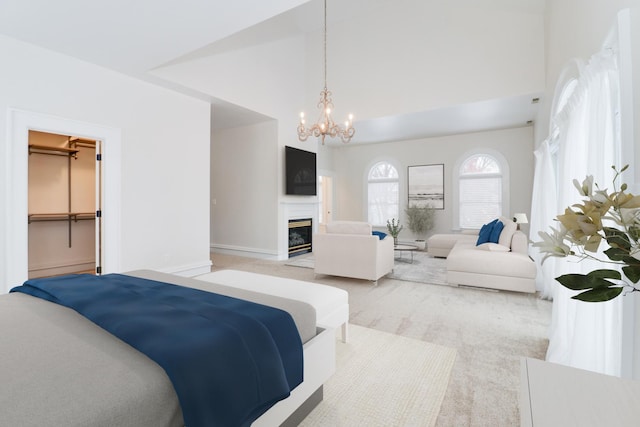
[325, 44]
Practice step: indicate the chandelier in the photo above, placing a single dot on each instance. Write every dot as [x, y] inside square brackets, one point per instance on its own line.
[325, 124]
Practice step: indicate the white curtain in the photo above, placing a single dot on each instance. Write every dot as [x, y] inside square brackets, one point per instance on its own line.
[586, 335]
[543, 208]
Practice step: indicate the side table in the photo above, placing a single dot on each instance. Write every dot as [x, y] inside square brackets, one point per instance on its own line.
[402, 248]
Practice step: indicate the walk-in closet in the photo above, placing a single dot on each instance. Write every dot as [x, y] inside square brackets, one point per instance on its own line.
[62, 204]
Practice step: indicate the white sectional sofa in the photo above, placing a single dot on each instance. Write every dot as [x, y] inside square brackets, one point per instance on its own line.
[349, 249]
[505, 265]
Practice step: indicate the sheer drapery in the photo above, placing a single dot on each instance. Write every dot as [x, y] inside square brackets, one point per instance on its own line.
[586, 335]
[543, 207]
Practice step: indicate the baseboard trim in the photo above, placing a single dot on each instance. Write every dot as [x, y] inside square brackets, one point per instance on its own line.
[245, 252]
[60, 269]
[189, 270]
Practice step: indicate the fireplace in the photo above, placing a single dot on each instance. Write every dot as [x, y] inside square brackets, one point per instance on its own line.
[300, 232]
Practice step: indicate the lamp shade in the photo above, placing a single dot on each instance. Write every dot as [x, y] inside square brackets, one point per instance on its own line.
[520, 218]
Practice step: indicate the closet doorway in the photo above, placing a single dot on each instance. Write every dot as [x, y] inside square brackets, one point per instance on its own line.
[64, 212]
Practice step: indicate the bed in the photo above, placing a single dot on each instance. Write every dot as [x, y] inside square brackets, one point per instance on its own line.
[59, 368]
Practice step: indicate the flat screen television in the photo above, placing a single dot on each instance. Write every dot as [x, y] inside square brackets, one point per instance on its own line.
[300, 172]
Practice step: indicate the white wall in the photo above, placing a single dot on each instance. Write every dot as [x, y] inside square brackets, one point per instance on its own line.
[244, 179]
[165, 150]
[351, 164]
[400, 57]
[267, 79]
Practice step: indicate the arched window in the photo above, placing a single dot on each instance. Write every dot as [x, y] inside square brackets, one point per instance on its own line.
[480, 190]
[383, 193]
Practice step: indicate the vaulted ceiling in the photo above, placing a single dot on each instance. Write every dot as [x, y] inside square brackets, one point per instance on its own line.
[136, 37]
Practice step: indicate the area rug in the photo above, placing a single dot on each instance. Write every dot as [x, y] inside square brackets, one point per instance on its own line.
[384, 380]
[423, 269]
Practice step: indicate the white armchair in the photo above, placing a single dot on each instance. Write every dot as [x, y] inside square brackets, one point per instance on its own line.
[348, 249]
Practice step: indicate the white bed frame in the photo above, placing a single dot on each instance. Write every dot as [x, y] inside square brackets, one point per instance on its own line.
[318, 367]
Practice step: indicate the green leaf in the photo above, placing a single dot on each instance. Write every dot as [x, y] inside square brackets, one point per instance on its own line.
[617, 238]
[634, 232]
[632, 272]
[616, 254]
[599, 295]
[605, 274]
[595, 279]
[629, 260]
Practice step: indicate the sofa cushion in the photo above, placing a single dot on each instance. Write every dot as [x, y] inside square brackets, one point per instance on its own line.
[470, 259]
[439, 245]
[348, 227]
[492, 247]
[507, 232]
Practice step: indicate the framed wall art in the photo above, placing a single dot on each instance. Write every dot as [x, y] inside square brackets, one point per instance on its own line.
[426, 185]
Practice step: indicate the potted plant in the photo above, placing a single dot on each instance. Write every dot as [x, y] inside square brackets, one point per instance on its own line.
[420, 220]
[394, 229]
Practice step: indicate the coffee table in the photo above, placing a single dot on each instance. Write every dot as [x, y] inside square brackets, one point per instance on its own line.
[405, 248]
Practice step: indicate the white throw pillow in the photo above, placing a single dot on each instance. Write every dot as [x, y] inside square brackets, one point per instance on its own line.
[509, 229]
[492, 247]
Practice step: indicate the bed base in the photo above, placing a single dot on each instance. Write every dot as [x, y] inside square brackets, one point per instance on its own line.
[319, 365]
[305, 409]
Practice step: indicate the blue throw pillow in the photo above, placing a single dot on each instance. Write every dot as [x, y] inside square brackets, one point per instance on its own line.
[495, 232]
[485, 232]
[380, 234]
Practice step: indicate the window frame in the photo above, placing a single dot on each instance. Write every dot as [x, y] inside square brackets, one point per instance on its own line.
[455, 178]
[367, 182]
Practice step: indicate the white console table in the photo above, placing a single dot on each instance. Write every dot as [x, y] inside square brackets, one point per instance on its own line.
[557, 395]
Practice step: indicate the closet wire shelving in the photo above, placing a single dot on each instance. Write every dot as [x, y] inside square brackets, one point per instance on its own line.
[70, 152]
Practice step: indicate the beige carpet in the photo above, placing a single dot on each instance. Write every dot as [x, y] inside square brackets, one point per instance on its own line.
[491, 332]
[384, 380]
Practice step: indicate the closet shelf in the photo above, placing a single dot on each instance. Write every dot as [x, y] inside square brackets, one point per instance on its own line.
[66, 216]
[54, 151]
[82, 142]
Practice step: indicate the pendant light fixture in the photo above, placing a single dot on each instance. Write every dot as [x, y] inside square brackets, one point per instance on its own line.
[325, 126]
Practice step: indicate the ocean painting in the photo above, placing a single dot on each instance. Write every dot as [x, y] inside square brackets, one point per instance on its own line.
[426, 185]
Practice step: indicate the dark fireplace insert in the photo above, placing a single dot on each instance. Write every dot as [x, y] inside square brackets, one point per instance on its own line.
[300, 231]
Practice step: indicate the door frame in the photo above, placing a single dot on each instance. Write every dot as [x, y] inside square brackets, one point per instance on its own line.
[326, 204]
[19, 123]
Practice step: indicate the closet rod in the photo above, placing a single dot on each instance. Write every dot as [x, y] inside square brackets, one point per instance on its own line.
[52, 151]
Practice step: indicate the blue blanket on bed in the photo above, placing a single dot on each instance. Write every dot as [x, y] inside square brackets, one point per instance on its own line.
[229, 360]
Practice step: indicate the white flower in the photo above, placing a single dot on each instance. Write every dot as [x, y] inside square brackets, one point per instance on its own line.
[553, 244]
[587, 186]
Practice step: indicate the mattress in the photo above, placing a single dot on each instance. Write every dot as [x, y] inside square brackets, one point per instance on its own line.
[304, 315]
